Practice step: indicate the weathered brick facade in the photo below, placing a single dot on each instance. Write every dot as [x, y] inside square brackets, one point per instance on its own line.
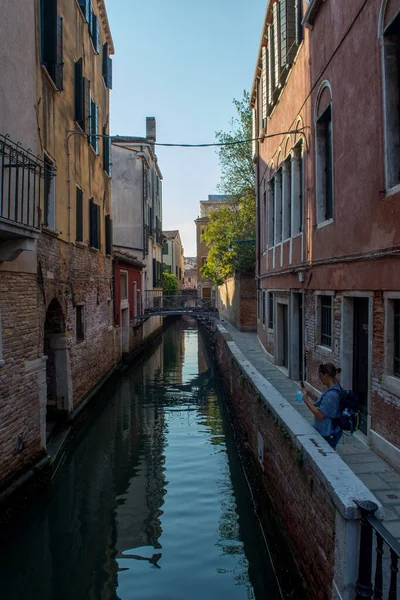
[19, 389]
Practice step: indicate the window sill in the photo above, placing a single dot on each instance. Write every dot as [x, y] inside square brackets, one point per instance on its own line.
[324, 223]
[391, 384]
[324, 349]
[49, 78]
[50, 231]
[80, 244]
[393, 191]
[93, 249]
[271, 331]
[110, 328]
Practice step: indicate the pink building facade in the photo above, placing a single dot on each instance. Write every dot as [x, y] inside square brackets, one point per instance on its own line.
[326, 87]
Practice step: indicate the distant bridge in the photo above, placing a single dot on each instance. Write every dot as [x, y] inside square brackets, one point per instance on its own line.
[179, 304]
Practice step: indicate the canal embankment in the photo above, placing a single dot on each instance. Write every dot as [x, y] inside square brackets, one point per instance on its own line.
[310, 488]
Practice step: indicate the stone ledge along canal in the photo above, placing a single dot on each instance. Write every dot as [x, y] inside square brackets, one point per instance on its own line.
[151, 501]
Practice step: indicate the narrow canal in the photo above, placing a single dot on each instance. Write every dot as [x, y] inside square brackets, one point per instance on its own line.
[151, 502]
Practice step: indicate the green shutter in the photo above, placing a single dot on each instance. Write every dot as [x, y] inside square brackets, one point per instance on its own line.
[79, 215]
[108, 234]
[88, 12]
[86, 106]
[59, 65]
[94, 123]
[91, 221]
[109, 73]
[79, 111]
[95, 32]
[105, 56]
[98, 230]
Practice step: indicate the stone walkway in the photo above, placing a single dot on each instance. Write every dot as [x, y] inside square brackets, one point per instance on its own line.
[375, 473]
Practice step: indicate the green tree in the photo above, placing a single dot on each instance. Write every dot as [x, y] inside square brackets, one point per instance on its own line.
[169, 282]
[231, 231]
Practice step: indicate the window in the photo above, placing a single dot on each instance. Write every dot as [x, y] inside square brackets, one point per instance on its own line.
[287, 199]
[80, 323]
[107, 67]
[278, 206]
[94, 224]
[123, 279]
[189, 279]
[391, 85]
[51, 39]
[108, 234]
[82, 98]
[79, 215]
[94, 125]
[94, 29]
[396, 345]
[263, 308]
[326, 320]
[203, 260]
[297, 189]
[324, 166]
[271, 212]
[165, 249]
[49, 193]
[270, 310]
[145, 183]
[86, 8]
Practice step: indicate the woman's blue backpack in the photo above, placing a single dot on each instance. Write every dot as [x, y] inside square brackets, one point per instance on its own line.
[349, 417]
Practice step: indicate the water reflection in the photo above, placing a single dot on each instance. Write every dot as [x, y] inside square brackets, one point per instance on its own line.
[145, 506]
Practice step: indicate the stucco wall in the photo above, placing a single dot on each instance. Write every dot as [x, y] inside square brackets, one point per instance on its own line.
[237, 302]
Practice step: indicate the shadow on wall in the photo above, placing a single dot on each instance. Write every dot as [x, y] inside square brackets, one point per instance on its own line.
[237, 301]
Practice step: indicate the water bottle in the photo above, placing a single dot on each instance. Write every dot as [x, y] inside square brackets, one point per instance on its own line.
[299, 396]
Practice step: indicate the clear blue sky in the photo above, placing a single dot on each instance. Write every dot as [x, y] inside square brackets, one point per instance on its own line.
[182, 62]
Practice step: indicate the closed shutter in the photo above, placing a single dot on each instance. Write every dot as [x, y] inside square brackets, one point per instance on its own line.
[78, 112]
[94, 122]
[59, 66]
[88, 12]
[265, 85]
[154, 273]
[299, 19]
[86, 106]
[106, 153]
[95, 33]
[98, 227]
[288, 32]
[277, 44]
[108, 234]
[104, 66]
[271, 69]
[79, 215]
[109, 73]
[91, 223]
[94, 224]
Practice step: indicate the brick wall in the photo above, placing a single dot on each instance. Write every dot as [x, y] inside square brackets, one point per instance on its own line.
[292, 484]
[237, 301]
[385, 406]
[19, 394]
[91, 281]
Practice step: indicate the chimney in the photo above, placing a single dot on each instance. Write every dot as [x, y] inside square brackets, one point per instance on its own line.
[151, 129]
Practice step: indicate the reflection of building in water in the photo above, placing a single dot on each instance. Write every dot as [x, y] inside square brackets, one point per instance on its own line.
[141, 498]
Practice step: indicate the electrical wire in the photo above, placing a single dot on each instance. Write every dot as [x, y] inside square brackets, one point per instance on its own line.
[257, 139]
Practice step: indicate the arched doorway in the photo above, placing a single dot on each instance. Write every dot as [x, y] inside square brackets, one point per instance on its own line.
[58, 370]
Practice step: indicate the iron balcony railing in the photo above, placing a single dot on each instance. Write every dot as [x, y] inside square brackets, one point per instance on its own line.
[21, 173]
[377, 579]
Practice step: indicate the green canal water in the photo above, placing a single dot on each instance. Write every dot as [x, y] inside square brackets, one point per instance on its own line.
[151, 502]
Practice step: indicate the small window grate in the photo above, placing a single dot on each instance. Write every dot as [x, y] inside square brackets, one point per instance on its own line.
[326, 321]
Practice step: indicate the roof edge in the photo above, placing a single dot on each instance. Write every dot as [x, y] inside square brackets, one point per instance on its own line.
[104, 19]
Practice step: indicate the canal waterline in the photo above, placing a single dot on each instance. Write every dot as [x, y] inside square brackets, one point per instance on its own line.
[151, 502]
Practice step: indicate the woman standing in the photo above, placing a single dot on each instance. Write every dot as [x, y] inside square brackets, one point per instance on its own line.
[327, 407]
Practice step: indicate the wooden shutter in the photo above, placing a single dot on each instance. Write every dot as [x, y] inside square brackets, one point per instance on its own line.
[59, 66]
[299, 18]
[265, 85]
[91, 223]
[105, 56]
[79, 111]
[271, 69]
[108, 234]
[277, 43]
[79, 215]
[86, 106]
[287, 32]
[98, 229]
[106, 153]
[95, 33]
[88, 12]
[94, 123]
[109, 73]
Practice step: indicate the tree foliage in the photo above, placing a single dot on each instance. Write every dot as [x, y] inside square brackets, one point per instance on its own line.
[169, 283]
[231, 231]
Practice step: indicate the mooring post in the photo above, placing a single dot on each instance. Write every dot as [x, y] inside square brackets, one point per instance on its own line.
[364, 589]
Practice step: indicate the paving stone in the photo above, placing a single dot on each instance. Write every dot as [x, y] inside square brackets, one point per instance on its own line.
[374, 482]
[391, 476]
[394, 528]
[390, 497]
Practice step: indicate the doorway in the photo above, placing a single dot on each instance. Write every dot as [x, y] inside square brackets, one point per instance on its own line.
[361, 356]
[296, 337]
[283, 334]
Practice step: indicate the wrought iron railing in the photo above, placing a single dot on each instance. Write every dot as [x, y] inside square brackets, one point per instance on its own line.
[377, 580]
[21, 173]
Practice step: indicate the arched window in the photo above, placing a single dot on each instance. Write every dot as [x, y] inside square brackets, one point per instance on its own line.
[389, 33]
[324, 155]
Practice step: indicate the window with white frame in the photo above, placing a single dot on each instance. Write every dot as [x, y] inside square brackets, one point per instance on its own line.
[325, 320]
[391, 96]
[324, 165]
[124, 285]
